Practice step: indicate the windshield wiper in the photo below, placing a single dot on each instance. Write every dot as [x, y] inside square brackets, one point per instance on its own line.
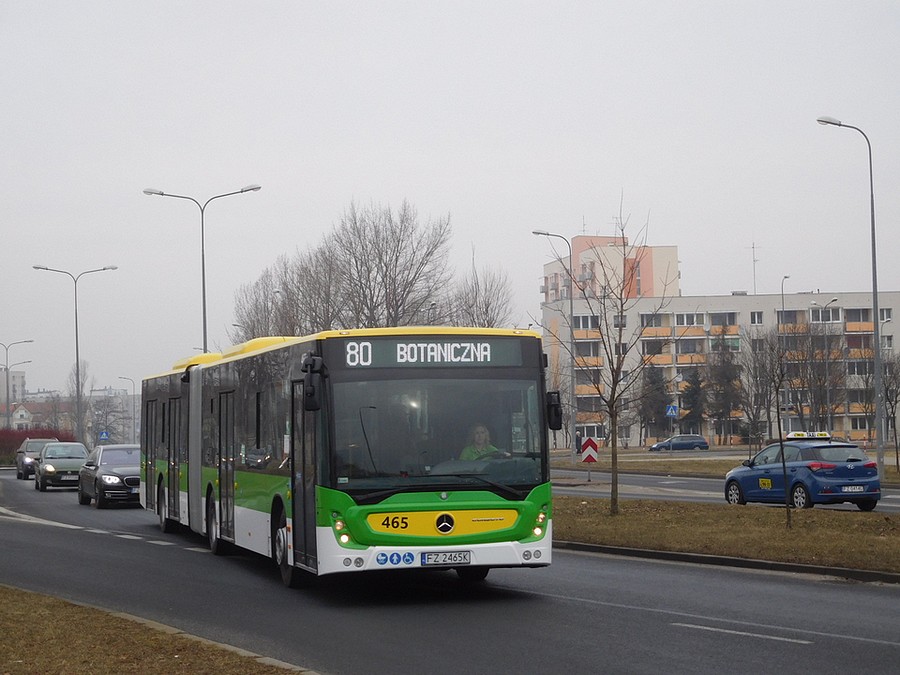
[503, 489]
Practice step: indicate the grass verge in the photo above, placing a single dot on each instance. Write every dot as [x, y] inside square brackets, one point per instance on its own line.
[868, 541]
[41, 634]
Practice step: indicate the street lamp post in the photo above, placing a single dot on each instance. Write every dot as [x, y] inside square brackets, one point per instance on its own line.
[133, 412]
[876, 318]
[783, 355]
[79, 422]
[8, 402]
[202, 207]
[827, 355]
[571, 271]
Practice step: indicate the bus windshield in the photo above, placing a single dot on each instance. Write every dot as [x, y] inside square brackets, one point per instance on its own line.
[478, 432]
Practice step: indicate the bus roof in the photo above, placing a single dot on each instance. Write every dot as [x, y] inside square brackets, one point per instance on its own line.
[270, 342]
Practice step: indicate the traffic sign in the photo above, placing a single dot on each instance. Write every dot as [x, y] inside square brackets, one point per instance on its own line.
[671, 411]
[589, 450]
[104, 435]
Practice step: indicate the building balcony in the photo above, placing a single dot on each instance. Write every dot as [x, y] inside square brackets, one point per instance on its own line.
[688, 359]
[859, 327]
[725, 330]
[689, 331]
[589, 361]
[658, 359]
[656, 331]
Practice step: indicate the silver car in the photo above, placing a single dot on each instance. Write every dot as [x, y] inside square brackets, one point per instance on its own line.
[58, 465]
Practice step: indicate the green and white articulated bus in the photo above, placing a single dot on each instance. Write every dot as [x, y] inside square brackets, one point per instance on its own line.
[341, 451]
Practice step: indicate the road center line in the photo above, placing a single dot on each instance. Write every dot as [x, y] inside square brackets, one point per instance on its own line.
[742, 633]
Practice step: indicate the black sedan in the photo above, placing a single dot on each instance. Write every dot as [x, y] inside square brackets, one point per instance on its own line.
[112, 473]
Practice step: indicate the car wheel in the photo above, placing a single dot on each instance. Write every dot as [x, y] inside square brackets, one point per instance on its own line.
[83, 499]
[472, 574]
[35, 482]
[290, 575]
[734, 494]
[20, 475]
[99, 499]
[866, 504]
[41, 484]
[800, 497]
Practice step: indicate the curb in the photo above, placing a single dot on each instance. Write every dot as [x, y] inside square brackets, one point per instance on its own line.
[727, 561]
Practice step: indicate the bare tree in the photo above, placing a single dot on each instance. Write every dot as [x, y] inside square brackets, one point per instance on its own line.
[482, 298]
[758, 398]
[609, 294]
[392, 267]
[891, 384]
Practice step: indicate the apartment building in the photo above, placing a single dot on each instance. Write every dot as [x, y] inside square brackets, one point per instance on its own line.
[826, 341]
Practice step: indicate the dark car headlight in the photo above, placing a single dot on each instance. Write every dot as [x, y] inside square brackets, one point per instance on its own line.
[110, 479]
[28, 460]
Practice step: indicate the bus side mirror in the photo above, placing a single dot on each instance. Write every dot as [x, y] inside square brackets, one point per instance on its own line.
[554, 411]
[312, 382]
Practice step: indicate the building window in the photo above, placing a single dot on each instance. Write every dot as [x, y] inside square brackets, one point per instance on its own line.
[787, 316]
[723, 318]
[590, 404]
[860, 368]
[825, 314]
[588, 376]
[886, 313]
[887, 341]
[689, 347]
[756, 318]
[858, 424]
[651, 320]
[621, 348]
[587, 322]
[588, 348]
[858, 315]
[689, 319]
[859, 341]
[652, 347]
[757, 345]
[620, 321]
[728, 344]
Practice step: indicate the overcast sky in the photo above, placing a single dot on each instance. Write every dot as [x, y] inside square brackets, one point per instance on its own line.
[508, 116]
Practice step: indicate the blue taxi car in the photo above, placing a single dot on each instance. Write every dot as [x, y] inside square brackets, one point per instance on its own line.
[819, 471]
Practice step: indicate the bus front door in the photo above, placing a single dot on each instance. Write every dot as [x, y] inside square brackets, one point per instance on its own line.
[303, 458]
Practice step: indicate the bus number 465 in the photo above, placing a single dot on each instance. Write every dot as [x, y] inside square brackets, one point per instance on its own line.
[395, 522]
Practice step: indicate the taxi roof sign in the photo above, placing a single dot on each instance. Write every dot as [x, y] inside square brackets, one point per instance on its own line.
[809, 434]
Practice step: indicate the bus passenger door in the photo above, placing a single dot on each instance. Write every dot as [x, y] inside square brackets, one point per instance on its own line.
[303, 456]
[173, 445]
[150, 432]
[226, 465]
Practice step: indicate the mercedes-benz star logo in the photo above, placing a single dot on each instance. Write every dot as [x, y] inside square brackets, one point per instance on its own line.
[444, 523]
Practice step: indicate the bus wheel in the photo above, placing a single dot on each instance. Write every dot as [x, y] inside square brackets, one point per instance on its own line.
[216, 545]
[162, 510]
[472, 574]
[290, 575]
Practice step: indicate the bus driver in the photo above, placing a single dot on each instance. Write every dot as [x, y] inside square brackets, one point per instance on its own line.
[479, 445]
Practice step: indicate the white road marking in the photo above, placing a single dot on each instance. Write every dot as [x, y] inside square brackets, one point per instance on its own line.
[161, 543]
[742, 633]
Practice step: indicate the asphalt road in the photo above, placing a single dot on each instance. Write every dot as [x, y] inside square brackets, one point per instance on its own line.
[585, 613]
[675, 488]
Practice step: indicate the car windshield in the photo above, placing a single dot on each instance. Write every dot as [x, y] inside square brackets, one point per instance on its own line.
[65, 452]
[120, 456]
[403, 433]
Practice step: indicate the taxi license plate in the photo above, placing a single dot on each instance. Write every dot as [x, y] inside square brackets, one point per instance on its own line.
[433, 558]
[853, 488]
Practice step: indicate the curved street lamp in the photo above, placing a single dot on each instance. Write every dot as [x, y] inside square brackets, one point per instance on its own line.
[876, 318]
[79, 422]
[8, 402]
[544, 233]
[202, 207]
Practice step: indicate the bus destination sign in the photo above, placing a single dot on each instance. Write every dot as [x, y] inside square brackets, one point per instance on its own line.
[440, 352]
